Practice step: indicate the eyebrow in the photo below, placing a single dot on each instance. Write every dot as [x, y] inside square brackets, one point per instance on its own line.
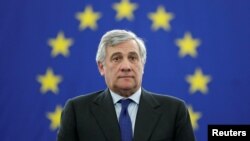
[115, 54]
[119, 53]
[133, 53]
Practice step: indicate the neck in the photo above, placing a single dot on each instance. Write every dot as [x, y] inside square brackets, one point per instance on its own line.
[125, 92]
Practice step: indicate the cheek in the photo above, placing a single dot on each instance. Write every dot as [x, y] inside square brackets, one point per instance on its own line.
[139, 70]
[110, 71]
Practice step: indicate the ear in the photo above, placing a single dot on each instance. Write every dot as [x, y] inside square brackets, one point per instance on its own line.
[100, 68]
[143, 65]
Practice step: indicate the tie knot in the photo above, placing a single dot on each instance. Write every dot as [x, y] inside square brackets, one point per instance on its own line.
[125, 103]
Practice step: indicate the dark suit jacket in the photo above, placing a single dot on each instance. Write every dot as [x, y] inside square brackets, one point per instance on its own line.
[92, 117]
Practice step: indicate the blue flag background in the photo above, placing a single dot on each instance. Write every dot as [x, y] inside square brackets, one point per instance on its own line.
[198, 50]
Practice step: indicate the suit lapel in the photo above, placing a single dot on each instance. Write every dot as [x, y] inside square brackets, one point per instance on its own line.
[104, 112]
[147, 117]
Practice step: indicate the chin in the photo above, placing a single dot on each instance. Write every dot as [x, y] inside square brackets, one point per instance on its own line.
[125, 87]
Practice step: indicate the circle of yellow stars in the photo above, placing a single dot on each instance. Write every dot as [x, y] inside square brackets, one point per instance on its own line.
[88, 19]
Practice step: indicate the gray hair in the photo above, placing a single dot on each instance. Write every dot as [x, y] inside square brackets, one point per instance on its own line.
[115, 37]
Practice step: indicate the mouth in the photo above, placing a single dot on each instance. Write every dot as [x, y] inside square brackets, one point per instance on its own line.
[126, 76]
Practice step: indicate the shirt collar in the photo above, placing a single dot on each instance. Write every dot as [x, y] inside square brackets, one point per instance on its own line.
[135, 97]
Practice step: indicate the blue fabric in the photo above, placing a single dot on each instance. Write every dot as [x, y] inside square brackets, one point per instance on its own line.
[125, 121]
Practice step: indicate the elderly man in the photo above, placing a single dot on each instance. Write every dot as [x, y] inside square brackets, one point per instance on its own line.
[124, 111]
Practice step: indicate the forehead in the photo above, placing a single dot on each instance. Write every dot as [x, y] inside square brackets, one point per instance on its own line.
[124, 48]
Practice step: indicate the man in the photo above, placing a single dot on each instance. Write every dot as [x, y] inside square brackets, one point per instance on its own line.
[102, 116]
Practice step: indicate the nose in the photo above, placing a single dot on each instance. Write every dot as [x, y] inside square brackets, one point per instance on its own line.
[125, 66]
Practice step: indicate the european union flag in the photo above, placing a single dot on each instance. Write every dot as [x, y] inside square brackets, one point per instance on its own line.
[198, 50]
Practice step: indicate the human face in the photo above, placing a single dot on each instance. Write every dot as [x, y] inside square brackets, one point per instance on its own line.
[123, 68]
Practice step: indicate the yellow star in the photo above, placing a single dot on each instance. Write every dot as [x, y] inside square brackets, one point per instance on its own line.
[55, 117]
[124, 9]
[187, 45]
[194, 116]
[161, 18]
[198, 82]
[88, 18]
[60, 45]
[49, 81]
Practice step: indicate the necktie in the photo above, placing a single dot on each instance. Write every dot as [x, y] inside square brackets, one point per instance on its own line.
[125, 121]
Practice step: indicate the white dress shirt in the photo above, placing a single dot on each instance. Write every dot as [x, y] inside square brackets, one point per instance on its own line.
[132, 107]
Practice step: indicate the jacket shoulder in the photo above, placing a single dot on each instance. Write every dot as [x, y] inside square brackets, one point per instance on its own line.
[85, 99]
[165, 98]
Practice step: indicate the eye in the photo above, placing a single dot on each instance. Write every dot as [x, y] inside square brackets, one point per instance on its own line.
[116, 58]
[133, 58]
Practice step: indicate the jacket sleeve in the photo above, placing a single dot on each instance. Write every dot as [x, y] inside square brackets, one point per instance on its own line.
[67, 130]
[184, 130]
